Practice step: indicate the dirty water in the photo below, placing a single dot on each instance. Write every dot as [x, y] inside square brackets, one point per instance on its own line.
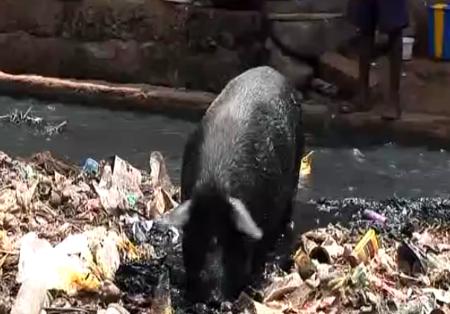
[96, 133]
[338, 171]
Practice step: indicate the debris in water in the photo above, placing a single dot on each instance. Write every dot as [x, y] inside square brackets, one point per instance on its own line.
[305, 166]
[39, 124]
[359, 156]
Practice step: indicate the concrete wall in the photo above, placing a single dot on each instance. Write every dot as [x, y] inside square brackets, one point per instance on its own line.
[129, 41]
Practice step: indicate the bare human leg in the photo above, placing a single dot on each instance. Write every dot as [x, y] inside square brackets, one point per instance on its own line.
[365, 50]
[392, 110]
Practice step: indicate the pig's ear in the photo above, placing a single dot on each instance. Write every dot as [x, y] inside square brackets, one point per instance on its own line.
[243, 219]
[179, 216]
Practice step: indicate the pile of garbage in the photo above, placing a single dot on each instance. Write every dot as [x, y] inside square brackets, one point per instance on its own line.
[62, 238]
[85, 240]
[391, 256]
[338, 270]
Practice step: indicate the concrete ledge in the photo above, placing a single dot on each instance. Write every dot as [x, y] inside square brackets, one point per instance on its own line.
[136, 96]
[412, 129]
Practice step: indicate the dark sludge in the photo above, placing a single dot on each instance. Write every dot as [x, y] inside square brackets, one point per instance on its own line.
[142, 283]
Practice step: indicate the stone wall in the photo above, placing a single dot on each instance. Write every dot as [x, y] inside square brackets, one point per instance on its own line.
[295, 44]
[128, 41]
[161, 43]
[158, 42]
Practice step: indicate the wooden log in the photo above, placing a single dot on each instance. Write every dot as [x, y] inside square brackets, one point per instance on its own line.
[136, 96]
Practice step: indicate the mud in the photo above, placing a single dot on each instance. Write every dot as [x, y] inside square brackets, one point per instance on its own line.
[403, 215]
[143, 281]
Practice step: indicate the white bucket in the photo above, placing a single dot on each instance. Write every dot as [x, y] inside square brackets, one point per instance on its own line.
[408, 44]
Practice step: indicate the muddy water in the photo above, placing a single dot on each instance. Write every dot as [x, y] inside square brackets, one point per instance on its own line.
[96, 133]
[339, 171]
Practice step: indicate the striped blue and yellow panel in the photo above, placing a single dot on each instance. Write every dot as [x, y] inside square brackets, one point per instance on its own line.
[439, 31]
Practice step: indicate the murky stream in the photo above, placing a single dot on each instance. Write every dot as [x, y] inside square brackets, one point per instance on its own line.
[338, 172]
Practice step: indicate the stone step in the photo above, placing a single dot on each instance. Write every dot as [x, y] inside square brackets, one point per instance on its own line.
[343, 72]
[311, 38]
[298, 72]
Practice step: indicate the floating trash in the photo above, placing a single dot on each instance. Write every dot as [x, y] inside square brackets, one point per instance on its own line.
[38, 124]
[305, 166]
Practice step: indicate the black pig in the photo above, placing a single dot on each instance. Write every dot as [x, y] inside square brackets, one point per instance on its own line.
[239, 175]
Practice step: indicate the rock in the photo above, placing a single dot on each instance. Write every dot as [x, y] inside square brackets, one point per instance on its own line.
[300, 73]
[311, 38]
[307, 37]
[343, 72]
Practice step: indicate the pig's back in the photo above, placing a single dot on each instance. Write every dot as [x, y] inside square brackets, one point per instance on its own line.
[250, 138]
